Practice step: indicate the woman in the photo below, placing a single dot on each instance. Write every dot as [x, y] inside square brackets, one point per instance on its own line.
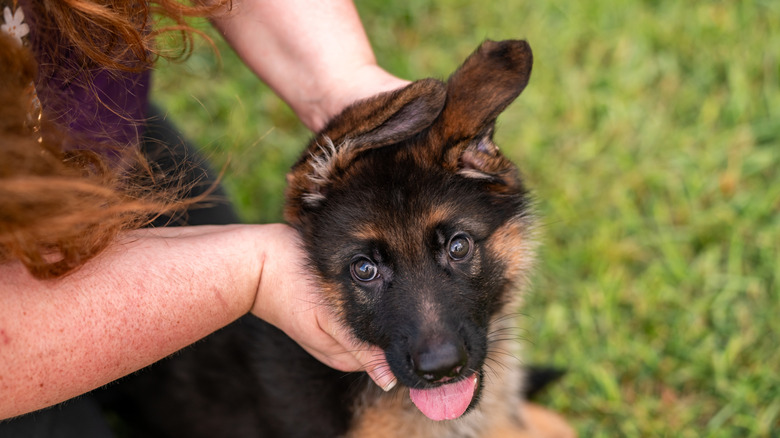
[88, 295]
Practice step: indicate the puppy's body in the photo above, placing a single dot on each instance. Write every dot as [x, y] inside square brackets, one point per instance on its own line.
[420, 235]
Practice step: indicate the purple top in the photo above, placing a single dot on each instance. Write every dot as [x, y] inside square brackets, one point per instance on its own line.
[102, 105]
[112, 108]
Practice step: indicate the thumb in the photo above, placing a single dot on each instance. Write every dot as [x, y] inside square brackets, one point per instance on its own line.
[371, 358]
[375, 364]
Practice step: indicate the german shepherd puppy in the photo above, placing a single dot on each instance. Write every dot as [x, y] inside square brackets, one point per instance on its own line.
[420, 233]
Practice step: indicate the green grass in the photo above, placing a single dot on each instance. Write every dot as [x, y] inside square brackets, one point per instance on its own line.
[650, 133]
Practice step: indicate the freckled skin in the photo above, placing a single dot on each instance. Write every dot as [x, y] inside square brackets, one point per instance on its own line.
[4, 339]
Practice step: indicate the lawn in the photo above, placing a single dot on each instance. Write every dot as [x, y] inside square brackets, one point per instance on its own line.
[650, 134]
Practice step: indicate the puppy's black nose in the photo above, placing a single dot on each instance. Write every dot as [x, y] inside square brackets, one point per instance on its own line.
[439, 361]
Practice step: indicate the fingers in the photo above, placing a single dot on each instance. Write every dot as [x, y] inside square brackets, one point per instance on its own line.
[356, 356]
[371, 360]
[374, 362]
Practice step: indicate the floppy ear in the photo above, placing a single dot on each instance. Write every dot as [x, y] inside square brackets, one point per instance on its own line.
[487, 82]
[382, 120]
[388, 118]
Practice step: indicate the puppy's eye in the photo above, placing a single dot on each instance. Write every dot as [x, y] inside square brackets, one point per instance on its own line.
[364, 270]
[459, 247]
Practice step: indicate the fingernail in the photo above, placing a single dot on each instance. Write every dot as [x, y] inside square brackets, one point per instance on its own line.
[386, 381]
[389, 385]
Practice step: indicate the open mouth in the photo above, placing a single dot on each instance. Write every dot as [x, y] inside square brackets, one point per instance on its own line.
[448, 401]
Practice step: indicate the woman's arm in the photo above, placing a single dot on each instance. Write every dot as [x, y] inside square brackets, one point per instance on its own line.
[313, 53]
[139, 301]
[147, 296]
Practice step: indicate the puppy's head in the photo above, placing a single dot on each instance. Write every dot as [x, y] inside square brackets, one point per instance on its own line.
[418, 227]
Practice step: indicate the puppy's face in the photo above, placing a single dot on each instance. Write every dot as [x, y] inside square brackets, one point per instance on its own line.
[418, 226]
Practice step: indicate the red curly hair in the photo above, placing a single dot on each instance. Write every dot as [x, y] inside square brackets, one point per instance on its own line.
[61, 207]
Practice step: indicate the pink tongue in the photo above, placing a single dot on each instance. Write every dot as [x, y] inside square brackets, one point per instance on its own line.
[445, 402]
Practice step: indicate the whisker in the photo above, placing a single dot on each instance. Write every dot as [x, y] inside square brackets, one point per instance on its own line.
[497, 354]
[489, 373]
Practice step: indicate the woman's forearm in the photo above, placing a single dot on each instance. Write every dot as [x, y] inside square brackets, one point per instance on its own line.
[139, 301]
[314, 54]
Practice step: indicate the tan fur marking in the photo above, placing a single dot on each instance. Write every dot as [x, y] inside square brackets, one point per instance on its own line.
[515, 244]
[331, 296]
[545, 423]
[440, 212]
[366, 232]
[405, 233]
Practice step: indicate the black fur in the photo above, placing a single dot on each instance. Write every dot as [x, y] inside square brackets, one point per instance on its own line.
[246, 380]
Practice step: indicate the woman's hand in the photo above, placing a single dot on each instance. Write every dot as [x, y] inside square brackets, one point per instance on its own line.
[288, 298]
